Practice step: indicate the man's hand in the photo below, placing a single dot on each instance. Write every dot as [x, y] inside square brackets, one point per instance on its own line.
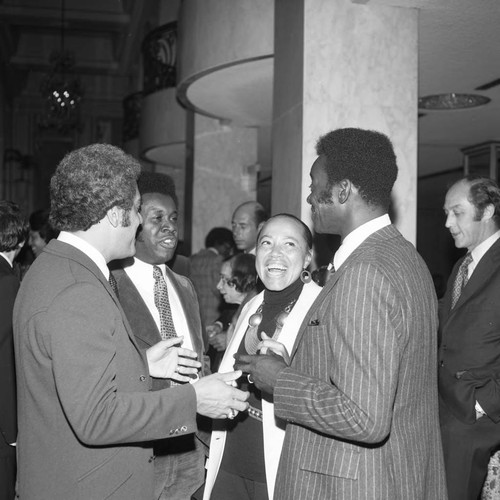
[269, 344]
[217, 398]
[176, 363]
[262, 369]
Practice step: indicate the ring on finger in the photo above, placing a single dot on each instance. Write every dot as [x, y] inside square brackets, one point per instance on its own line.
[250, 378]
[231, 414]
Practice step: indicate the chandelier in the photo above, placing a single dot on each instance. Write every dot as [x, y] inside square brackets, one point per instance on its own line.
[61, 90]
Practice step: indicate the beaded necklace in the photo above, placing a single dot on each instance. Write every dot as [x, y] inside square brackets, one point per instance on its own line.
[252, 338]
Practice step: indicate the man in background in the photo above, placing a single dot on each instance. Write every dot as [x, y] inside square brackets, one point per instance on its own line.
[179, 461]
[469, 353]
[14, 231]
[205, 271]
[360, 395]
[247, 220]
[86, 414]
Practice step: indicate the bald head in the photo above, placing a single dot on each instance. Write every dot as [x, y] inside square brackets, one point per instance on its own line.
[247, 221]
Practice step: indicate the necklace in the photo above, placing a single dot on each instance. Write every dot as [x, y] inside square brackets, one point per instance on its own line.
[251, 336]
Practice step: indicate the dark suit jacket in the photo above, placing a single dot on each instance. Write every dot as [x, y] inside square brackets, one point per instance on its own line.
[469, 354]
[86, 413]
[204, 273]
[9, 284]
[143, 325]
[360, 396]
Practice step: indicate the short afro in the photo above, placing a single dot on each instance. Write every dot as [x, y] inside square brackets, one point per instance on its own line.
[364, 157]
[154, 182]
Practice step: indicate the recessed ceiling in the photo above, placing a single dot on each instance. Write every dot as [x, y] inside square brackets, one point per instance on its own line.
[459, 43]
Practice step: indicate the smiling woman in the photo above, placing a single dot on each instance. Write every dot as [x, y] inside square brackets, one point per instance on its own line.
[248, 448]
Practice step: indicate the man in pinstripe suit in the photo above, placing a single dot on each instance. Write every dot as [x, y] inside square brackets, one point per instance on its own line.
[360, 393]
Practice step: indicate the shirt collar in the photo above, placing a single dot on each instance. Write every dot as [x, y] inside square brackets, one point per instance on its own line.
[357, 236]
[89, 250]
[143, 267]
[6, 258]
[482, 248]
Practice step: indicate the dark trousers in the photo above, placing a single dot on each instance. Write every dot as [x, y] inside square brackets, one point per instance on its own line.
[8, 473]
[231, 487]
[467, 450]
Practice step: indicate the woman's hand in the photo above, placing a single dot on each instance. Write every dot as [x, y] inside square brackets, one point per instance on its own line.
[277, 347]
[165, 360]
[216, 337]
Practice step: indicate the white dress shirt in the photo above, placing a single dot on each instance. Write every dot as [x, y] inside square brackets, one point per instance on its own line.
[90, 251]
[6, 258]
[141, 275]
[356, 237]
[478, 252]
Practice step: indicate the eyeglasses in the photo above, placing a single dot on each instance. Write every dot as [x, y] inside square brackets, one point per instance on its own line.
[226, 281]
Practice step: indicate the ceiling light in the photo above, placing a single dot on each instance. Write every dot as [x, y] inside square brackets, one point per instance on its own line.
[61, 90]
[452, 101]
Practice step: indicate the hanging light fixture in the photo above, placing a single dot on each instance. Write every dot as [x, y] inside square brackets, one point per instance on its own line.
[61, 89]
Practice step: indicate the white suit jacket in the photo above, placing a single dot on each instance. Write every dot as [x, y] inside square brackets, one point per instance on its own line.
[274, 428]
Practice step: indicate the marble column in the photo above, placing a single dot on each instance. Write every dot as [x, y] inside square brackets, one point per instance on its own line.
[224, 174]
[343, 64]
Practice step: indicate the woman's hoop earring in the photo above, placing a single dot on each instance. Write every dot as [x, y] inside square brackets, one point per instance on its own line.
[305, 276]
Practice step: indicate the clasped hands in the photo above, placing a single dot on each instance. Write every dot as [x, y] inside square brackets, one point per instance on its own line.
[167, 359]
[216, 396]
[263, 369]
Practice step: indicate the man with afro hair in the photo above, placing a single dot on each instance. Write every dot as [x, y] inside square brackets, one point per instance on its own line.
[360, 393]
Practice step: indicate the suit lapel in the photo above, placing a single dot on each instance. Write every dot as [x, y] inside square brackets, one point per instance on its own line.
[385, 233]
[143, 324]
[186, 298]
[480, 276]
[70, 252]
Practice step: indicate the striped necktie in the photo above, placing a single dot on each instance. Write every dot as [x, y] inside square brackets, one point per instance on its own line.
[461, 279]
[113, 284]
[162, 303]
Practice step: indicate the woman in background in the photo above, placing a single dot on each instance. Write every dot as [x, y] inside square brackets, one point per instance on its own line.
[41, 232]
[237, 285]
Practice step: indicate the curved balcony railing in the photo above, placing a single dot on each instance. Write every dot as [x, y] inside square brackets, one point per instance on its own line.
[159, 49]
[132, 106]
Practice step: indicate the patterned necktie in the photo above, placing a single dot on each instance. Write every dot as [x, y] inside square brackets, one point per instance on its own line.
[167, 330]
[461, 279]
[113, 284]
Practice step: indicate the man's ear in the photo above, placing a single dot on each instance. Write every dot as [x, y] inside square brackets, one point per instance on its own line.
[344, 190]
[114, 216]
[260, 226]
[488, 212]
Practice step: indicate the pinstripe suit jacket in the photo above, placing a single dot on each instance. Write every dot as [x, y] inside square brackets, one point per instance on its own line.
[360, 396]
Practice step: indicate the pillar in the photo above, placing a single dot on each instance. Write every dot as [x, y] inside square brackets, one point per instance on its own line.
[343, 64]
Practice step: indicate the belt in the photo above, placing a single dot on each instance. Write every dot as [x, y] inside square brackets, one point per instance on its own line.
[254, 413]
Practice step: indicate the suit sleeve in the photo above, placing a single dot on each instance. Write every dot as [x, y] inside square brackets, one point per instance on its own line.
[354, 354]
[202, 334]
[8, 415]
[82, 332]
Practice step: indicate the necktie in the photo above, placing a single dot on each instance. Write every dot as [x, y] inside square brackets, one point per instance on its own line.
[461, 279]
[113, 284]
[167, 330]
